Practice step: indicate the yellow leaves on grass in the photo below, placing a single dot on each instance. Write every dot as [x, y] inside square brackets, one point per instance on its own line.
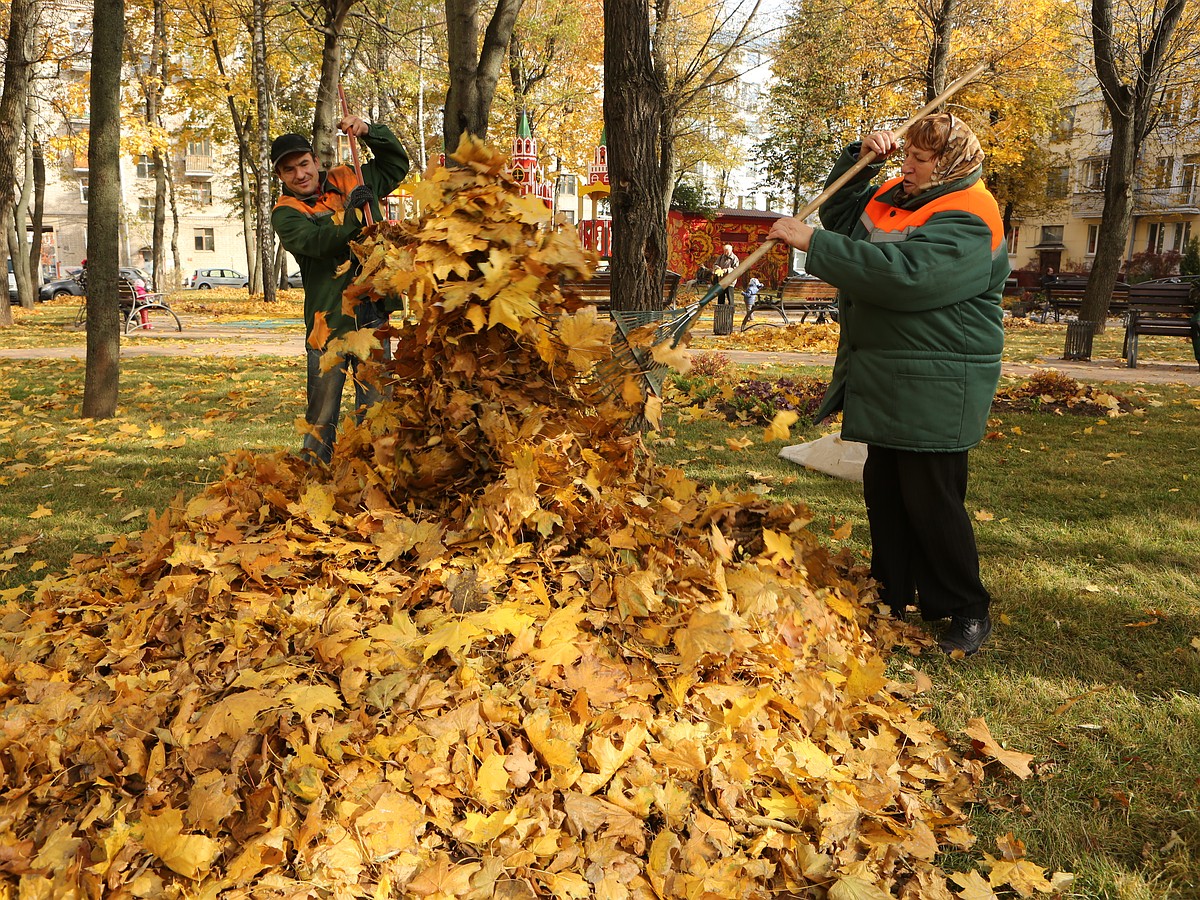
[1015, 762]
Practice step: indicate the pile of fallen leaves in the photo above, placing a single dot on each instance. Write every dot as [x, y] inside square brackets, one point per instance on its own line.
[1049, 390]
[799, 338]
[493, 651]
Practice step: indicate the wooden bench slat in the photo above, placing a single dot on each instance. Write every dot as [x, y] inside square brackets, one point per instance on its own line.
[797, 293]
[598, 289]
[1158, 309]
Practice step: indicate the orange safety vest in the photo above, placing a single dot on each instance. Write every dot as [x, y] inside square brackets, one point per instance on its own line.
[336, 186]
[886, 223]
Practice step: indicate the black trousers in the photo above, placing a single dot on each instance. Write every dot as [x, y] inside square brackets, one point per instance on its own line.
[922, 540]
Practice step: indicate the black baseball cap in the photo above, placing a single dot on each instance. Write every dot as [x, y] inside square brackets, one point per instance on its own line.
[287, 144]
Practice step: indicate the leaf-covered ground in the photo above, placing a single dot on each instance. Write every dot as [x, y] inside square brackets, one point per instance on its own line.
[494, 650]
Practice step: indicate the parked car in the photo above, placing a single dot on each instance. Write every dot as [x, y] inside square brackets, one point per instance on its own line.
[12, 283]
[206, 279]
[60, 287]
[73, 287]
[294, 280]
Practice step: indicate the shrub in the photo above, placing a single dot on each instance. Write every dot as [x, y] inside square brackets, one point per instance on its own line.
[759, 400]
[1190, 264]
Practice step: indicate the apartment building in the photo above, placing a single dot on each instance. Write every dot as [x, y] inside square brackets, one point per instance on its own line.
[1166, 201]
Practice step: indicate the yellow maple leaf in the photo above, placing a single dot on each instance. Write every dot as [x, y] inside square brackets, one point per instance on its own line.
[514, 304]
[491, 780]
[677, 358]
[191, 855]
[974, 887]
[441, 879]
[779, 429]
[778, 545]
[865, 678]
[556, 747]
[41, 512]
[1023, 876]
[851, 888]
[585, 336]
[1015, 762]
[307, 699]
[320, 333]
[452, 637]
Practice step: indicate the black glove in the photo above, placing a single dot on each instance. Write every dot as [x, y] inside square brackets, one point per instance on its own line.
[361, 196]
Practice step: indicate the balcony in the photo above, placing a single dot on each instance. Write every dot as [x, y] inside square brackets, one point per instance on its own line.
[1167, 201]
[1087, 204]
[198, 165]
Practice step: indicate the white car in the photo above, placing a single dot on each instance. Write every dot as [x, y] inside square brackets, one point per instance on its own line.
[206, 279]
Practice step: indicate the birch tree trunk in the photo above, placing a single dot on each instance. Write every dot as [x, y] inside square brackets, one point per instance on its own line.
[262, 196]
[155, 80]
[102, 370]
[18, 63]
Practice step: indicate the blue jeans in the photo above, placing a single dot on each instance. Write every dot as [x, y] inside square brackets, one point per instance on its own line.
[325, 399]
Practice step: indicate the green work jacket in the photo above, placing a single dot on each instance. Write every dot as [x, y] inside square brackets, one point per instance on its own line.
[307, 230]
[919, 286]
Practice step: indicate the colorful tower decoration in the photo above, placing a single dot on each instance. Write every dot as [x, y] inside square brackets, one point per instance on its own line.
[526, 170]
[595, 233]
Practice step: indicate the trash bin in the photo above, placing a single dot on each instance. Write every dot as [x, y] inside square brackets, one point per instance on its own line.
[1079, 339]
[723, 318]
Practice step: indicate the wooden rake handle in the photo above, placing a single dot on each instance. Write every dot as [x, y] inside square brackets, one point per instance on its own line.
[841, 180]
[354, 155]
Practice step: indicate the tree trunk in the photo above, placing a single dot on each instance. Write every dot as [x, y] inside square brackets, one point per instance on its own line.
[262, 195]
[474, 68]
[154, 91]
[1130, 98]
[102, 373]
[633, 103]
[18, 63]
[176, 260]
[39, 208]
[941, 22]
[328, 107]
[18, 246]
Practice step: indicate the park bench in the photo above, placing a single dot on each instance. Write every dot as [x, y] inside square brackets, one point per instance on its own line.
[597, 290]
[145, 311]
[801, 294]
[1158, 308]
[1066, 296]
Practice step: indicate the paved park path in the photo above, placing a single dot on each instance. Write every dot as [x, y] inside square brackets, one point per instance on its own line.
[225, 340]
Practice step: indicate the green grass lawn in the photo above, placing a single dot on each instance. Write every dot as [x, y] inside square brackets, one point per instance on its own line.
[1089, 533]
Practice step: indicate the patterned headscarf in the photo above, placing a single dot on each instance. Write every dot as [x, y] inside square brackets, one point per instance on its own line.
[960, 156]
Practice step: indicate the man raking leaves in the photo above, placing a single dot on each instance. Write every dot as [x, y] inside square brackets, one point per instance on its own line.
[316, 218]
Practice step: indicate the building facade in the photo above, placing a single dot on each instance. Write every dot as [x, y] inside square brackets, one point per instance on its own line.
[1166, 197]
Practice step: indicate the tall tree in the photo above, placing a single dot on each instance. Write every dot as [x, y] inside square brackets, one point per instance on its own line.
[633, 112]
[18, 65]
[1135, 51]
[328, 18]
[475, 65]
[261, 273]
[101, 378]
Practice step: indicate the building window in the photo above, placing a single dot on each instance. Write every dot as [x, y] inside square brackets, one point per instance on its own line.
[1052, 234]
[1155, 233]
[1014, 237]
[201, 147]
[145, 166]
[569, 213]
[146, 207]
[1191, 178]
[1093, 238]
[1061, 129]
[1183, 231]
[83, 190]
[566, 184]
[1160, 174]
[202, 193]
[204, 239]
[1057, 180]
[1094, 171]
[1170, 106]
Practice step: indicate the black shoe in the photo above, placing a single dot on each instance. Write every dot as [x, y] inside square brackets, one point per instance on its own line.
[966, 635]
